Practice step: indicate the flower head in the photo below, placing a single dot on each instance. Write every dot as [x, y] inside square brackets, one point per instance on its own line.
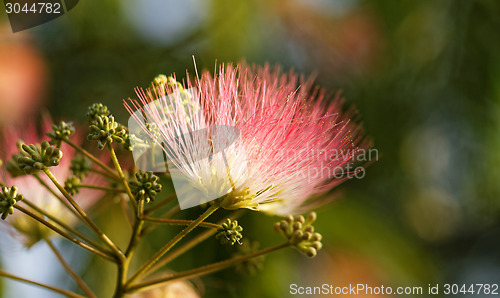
[282, 141]
[32, 190]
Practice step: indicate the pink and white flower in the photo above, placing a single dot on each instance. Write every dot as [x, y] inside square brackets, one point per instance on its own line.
[293, 139]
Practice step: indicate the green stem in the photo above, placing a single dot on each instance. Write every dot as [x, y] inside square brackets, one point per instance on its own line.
[171, 243]
[189, 244]
[205, 269]
[99, 188]
[160, 204]
[122, 177]
[105, 174]
[169, 214]
[139, 222]
[93, 159]
[121, 278]
[54, 289]
[62, 224]
[56, 195]
[85, 217]
[181, 222]
[64, 234]
[134, 239]
[70, 271]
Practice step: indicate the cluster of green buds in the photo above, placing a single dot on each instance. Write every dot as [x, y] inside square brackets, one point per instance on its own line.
[143, 139]
[146, 187]
[8, 198]
[97, 110]
[229, 232]
[71, 185]
[34, 158]
[12, 165]
[163, 81]
[80, 166]
[105, 130]
[164, 84]
[300, 233]
[60, 132]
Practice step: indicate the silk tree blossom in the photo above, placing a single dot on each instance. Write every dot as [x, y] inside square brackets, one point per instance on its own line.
[292, 139]
[30, 230]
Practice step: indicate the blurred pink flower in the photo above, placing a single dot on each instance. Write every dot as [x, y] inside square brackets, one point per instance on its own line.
[23, 76]
[31, 189]
[178, 288]
[294, 139]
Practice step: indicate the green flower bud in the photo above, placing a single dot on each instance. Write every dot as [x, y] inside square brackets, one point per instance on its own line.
[80, 166]
[300, 233]
[12, 165]
[97, 110]
[163, 81]
[8, 199]
[34, 158]
[105, 130]
[71, 185]
[229, 232]
[146, 187]
[60, 132]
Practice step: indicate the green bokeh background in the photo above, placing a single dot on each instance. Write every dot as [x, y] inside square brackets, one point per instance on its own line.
[425, 77]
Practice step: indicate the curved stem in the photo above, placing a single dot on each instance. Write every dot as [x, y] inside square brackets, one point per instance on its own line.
[62, 224]
[105, 174]
[171, 243]
[122, 178]
[205, 269]
[85, 217]
[92, 158]
[121, 277]
[160, 204]
[68, 269]
[169, 214]
[137, 230]
[181, 222]
[99, 188]
[189, 244]
[56, 195]
[65, 235]
[54, 289]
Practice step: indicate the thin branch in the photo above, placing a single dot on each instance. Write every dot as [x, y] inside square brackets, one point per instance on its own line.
[181, 222]
[190, 244]
[105, 174]
[70, 271]
[169, 214]
[205, 269]
[171, 243]
[40, 180]
[64, 234]
[99, 188]
[85, 217]
[122, 178]
[54, 289]
[160, 204]
[93, 159]
[62, 224]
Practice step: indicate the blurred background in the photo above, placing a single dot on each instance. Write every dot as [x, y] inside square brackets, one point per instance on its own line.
[424, 75]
